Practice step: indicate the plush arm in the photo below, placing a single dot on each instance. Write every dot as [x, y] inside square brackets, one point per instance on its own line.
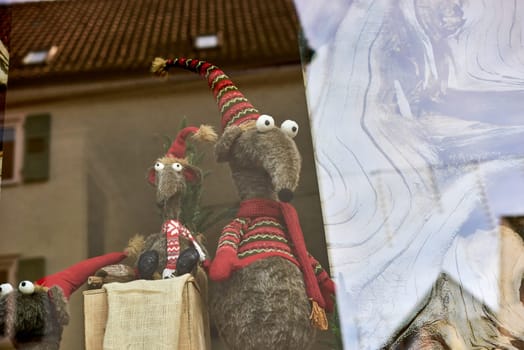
[226, 259]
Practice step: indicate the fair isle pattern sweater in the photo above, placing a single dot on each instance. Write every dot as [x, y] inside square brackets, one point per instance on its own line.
[256, 238]
[259, 232]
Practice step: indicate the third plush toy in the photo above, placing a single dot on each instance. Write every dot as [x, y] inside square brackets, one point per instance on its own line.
[173, 251]
[269, 292]
[34, 315]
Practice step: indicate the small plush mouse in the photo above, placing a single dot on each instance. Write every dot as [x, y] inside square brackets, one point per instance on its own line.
[174, 250]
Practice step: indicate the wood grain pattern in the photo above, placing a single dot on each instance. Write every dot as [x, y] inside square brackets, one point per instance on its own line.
[416, 114]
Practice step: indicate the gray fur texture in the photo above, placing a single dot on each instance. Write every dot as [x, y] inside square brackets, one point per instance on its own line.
[261, 163]
[34, 321]
[264, 305]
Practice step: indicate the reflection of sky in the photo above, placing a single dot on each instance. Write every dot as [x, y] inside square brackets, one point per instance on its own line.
[497, 107]
[322, 21]
[427, 151]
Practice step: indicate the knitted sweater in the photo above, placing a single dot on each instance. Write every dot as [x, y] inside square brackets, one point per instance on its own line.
[259, 232]
[256, 238]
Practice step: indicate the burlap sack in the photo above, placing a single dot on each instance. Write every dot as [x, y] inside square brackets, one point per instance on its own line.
[163, 314]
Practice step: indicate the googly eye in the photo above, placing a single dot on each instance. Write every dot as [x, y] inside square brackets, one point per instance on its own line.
[177, 167]
[290, 128]
[5, 288]
[159, 166]
[26, 287]
[265, 123]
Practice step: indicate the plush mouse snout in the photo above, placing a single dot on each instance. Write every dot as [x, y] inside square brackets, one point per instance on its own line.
[285, 195]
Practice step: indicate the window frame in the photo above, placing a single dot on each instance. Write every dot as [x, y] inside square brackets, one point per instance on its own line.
[17, 123]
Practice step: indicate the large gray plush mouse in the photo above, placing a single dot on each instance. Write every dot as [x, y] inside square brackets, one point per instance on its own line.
[269, 293]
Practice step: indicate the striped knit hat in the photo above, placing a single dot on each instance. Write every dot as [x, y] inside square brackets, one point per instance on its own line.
[234, 107]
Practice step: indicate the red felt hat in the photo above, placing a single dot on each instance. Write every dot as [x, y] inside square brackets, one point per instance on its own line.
[75, 276]
[178, 147]
[234, 107]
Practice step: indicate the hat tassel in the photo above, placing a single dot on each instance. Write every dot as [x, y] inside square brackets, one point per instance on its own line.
[318, 316]
[159, 66]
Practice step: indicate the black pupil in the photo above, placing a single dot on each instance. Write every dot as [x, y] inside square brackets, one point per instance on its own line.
[267, 122]
[294, 129]
[23, 284]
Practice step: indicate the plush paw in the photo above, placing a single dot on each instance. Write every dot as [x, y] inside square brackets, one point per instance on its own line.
[223, 266]
[147, 264]
[187, 261]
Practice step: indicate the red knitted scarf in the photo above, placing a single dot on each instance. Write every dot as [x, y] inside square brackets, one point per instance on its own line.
[286, 213]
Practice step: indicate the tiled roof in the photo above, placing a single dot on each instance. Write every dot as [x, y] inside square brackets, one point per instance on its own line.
[121, 37]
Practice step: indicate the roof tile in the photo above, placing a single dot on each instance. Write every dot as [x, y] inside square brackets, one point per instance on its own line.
[123, 36]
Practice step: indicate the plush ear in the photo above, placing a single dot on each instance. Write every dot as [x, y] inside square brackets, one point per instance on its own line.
[224, 143]
[59, 301]
[192, 174]
[151, 176]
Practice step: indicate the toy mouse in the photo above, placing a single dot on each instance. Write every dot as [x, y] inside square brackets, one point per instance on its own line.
[173, 251]
[34, 315]
[269, 292]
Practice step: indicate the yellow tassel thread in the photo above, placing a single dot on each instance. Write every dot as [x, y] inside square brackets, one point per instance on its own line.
[318, 316]
[205, 133]
[158, 67]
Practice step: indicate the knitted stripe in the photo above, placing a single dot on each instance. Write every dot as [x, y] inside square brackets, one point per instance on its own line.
[250, 114]
[263, 253]
[260, 238]
[264, 222]
[263, 237]
[238, 109]
[266, 240]
[235, 111]
[228, 90]
[229, 103]
[231, 234]
[173, 229]
[248, 260]
[228, 95]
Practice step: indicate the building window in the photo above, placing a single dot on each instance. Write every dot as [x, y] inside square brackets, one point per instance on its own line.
[207, 41]
[26, 146]
[12, 137]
